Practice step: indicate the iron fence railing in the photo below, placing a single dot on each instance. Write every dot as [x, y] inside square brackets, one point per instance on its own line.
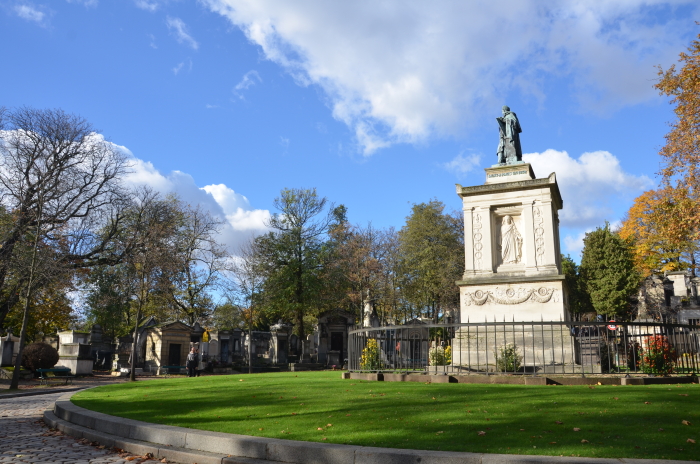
[561, 347]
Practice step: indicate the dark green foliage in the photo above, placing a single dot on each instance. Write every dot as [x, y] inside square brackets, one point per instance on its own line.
[508, 359]
[607, 272]
[39, 356]
[579, 301]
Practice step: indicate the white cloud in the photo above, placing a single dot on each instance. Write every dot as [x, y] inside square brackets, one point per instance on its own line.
[179, 29]
[241, 221]
[29, 12]
[182, 65]
[593, 186]
[463, 163]
[150, 5]
[87, 3]
[152, 42]
[406, 70]
[573, 245]
[249, 79]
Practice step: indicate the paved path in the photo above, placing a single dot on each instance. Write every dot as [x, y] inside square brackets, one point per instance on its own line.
[25, 439]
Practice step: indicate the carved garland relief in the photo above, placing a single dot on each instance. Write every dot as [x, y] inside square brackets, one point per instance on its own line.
[539, 234]
[511, 296]
[477, 236]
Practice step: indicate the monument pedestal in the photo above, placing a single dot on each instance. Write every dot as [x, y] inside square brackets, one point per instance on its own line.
[512, 250]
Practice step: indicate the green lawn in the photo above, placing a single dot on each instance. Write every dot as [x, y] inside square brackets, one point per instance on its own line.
[614, 421]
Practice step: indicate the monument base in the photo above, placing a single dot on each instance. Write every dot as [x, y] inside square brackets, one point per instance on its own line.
[521, 299]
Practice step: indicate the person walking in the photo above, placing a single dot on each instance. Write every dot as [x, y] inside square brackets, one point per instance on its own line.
[192, 362]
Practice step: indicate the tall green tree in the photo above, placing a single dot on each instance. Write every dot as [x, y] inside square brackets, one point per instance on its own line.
[432, 250]
[608, 272]
[292, 255]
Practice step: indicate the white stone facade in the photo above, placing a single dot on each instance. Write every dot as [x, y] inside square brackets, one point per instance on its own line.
[512, 266]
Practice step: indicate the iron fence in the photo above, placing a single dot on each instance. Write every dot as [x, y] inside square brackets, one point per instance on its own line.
[559, 347]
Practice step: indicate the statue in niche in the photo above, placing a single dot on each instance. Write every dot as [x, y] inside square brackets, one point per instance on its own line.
[509, 151]
[511, 241]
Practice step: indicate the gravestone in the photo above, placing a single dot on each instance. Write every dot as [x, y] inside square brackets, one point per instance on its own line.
[279, 342]
[7, 347]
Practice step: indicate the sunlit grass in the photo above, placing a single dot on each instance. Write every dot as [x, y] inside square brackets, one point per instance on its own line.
[614, 421]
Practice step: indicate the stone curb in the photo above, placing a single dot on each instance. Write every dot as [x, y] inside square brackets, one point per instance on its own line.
[41, 392]
[187, 445]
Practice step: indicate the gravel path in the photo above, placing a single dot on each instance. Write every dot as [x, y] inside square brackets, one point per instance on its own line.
[25, 439]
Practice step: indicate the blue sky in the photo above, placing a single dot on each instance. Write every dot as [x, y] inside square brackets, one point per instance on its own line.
[377, 104]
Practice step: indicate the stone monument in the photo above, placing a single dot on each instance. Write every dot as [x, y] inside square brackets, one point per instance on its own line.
[511, 237]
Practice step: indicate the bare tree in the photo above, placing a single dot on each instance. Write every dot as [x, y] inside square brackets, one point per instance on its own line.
[54, 171]
[58, 178]
[199, 263]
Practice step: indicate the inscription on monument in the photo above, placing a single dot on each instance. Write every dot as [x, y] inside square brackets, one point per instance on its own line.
[512, 173]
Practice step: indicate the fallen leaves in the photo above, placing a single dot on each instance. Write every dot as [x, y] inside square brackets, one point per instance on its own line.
[481, 433]
[647, 402]
[584, 441]
[685, 422]
[682, 394]
[576, 429]
[615, 398]
[690, 440]
[558, 422]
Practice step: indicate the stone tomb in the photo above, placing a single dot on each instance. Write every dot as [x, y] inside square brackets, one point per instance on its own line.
[512, 253]
[166, 344]
[74, 352]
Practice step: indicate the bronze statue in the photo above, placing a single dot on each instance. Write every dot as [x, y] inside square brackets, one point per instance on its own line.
[509, 151]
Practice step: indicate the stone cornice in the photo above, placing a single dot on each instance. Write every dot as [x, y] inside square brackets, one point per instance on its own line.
[549, 182]
[496, 279]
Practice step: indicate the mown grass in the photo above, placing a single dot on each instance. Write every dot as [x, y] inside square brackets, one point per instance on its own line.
[614, 421]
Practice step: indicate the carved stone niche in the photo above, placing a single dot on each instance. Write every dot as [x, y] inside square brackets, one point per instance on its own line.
[508, 238]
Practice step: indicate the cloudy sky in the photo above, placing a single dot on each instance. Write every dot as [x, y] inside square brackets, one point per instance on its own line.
[377, 104]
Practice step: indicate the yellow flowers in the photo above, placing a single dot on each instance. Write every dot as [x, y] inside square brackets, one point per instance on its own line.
[369, 360]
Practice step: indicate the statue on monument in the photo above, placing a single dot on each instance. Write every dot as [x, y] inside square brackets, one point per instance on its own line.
[511, 241]
[509, 151]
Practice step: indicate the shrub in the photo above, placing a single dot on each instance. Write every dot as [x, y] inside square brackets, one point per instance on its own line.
[658, 357]
[437, 356]
[369, 361]
[508, 359]
[39, 356]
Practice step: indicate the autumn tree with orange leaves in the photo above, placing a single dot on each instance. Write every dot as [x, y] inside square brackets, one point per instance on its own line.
[665, 223]
[658, 225]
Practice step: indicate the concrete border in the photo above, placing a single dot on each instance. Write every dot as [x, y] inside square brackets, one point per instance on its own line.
[187, 445]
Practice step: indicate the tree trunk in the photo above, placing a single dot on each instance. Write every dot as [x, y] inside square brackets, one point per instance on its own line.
[14, 384]
[134, 344]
